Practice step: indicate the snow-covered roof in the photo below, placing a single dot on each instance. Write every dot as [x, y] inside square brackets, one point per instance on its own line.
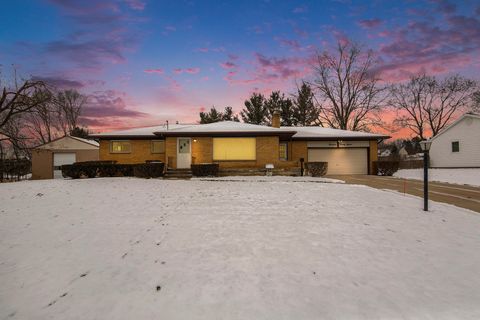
[92, 142]
[139, 132]
[321, 132]
[231, 127]
[460, 119]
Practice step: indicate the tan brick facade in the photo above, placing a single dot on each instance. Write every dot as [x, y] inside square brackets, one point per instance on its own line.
[373, 156]
[141, 151]
[267, 151]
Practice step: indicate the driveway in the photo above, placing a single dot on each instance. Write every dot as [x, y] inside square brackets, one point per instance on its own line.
[459, 195]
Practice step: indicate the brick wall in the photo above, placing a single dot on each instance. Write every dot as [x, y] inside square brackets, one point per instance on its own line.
[141, 151]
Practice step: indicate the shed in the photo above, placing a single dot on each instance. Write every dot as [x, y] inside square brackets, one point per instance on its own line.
[47, 158]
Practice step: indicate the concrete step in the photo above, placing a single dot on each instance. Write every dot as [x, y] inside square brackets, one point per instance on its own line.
[178, 174]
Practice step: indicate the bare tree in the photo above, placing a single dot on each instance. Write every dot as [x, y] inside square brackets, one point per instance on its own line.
[69, 104]
[347, 88]
[20, 99]
[425, 104]
[41, 122]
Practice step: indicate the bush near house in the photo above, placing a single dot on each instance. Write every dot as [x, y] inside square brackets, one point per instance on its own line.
[92, 169]
[317, 169]
[14, 169]
[386, 168]
[205, 169]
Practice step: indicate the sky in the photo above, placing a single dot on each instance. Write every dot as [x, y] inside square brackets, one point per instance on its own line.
[143, 62]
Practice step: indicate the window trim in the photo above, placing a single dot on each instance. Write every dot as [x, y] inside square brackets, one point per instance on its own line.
[120, 152]
[151, 146]
[286, 151]
[458, 146]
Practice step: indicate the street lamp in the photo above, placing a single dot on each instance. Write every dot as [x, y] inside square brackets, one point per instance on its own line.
[425, 145]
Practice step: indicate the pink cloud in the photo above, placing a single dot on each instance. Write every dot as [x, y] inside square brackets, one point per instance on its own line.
[370, 23]
[228, 65]
[186, 70]
[157, 71]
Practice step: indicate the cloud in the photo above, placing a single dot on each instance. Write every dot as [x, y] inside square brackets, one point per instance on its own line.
[228, 65]
[445, 7]
[136, 4]
[157, 71]
[423, 46]
[60, 83]
[186, 70]
[107, 108]
[301, 9]
[370, 23]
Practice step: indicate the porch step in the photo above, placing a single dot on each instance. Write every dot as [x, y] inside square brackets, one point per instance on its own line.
[178, 174]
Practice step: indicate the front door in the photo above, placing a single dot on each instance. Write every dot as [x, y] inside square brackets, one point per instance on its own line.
[184, 153]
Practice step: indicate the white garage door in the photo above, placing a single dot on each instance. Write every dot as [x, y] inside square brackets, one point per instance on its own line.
[60, 159]
[342, 160]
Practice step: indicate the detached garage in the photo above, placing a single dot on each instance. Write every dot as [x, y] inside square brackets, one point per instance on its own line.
[48, 158]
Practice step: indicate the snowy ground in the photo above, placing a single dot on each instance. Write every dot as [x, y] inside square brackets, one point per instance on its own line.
[125, 248]
[459, 176]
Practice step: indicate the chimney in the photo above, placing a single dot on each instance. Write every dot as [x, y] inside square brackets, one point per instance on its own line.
[276, 119]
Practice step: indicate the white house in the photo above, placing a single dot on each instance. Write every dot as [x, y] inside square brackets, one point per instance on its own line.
[458, 145]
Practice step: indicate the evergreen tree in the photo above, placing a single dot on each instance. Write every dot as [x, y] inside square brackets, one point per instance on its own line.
[215, 116]
[255, 111]
[305, 111]
[284, 105]
[79, 132]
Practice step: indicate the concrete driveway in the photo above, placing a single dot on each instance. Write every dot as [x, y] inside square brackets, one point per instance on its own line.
[459, 195]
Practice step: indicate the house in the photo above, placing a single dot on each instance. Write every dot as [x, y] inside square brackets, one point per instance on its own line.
[235, 145]
[458, 145]
[47, 158]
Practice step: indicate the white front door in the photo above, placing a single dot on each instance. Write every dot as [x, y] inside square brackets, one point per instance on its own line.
[59, 159]
[184, 153]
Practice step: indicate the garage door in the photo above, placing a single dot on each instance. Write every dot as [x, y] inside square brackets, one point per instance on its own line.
[342, 160]
[60, 159]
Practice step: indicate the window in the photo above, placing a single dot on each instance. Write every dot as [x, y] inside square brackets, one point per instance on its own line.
[455, 146]
[283, 151]
[234, 149]
[158, 146]
[120, 147]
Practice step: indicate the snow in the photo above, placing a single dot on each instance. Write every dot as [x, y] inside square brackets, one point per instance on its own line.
[233, 126]
[458, 176]
[126, 248]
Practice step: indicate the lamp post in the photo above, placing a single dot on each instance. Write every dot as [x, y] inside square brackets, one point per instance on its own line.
[425, 145]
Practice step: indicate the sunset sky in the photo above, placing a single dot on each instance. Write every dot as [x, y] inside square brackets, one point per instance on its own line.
[145, 62]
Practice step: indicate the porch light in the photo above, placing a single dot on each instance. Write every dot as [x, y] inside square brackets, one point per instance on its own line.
[194, 140]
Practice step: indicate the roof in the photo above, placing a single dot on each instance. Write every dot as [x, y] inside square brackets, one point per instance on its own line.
[59, 143]
[460, 119]
[232, 128]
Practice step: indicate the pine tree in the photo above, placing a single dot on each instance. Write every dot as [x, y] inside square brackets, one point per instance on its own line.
[80, 132]
[215, 116]
[255, 111]
[284, 105]
[305, 111]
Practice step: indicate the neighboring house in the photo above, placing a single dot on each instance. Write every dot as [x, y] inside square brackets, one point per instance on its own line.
[47, 158]
[235, 145]
[458, 145]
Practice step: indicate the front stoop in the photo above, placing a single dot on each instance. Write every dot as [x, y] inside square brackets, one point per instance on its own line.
[183, 174]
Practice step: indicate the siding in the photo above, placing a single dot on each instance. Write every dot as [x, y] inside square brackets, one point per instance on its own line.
[467, 132]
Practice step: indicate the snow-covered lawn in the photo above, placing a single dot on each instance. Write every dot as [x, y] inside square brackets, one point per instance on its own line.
[125, 248]
[459, 176]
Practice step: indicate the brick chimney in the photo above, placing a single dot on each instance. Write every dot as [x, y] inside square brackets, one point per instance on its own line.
[276, 119]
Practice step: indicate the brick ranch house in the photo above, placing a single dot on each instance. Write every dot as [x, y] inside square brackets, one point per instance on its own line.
[238, 146]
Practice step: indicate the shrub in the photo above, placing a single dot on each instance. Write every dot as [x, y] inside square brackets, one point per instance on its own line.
[14, 168]
[317, 169]
[386, 168]
[205, 169]
[148, 170]
[92, 169]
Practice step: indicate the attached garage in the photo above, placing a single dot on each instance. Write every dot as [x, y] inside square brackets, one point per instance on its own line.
[347, 158]
[48, 158]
